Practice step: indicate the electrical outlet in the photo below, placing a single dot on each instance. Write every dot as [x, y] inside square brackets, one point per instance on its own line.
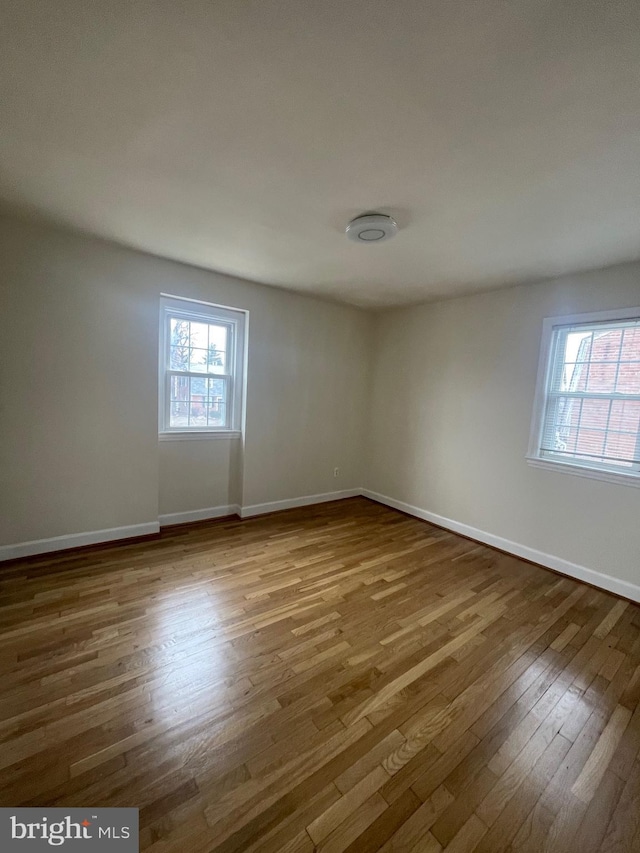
[336, 472]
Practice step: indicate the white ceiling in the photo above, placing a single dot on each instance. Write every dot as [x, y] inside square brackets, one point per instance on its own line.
[242, 135]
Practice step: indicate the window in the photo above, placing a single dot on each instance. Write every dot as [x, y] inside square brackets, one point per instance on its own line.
[201, 368]
[587, 412]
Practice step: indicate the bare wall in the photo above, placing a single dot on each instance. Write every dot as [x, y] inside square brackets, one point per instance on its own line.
[451, 411]
[78, 418]
[78, 372]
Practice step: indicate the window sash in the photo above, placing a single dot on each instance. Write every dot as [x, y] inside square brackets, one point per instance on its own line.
[228, 401]
[204, 320]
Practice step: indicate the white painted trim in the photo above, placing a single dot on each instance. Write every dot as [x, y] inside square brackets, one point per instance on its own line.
[229, 434]
[202, 303]
[198, 514]
[75, 540]
[306, 500]
[610, 316]
[603, 474]
[565, 567]
[558, 564]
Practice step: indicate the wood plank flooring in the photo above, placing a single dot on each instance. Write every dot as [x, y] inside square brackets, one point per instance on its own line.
[334, 678]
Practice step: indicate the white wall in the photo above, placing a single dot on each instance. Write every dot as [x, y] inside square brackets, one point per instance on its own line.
[78, 355]
[78, 372]
[451, 412]
[198, 475]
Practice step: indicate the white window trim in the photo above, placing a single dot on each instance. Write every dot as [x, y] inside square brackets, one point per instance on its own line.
[198, 435]
[238, 321]
[591, 470]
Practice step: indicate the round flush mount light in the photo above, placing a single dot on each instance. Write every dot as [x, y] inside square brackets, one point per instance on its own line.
[371, 228]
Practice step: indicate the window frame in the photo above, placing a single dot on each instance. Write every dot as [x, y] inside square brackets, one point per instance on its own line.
[548, 346]
[236, 320]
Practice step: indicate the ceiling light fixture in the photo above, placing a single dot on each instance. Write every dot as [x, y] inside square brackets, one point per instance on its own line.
[371, 228]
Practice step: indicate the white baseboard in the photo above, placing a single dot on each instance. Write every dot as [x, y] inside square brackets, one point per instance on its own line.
[198, 514]
[75, 540]
[290, 503]
[96, 537]
[565, 567]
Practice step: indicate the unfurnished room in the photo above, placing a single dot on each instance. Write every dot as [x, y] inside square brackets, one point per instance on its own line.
[320, 426]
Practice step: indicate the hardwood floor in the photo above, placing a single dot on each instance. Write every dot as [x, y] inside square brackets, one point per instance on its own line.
[340, 677]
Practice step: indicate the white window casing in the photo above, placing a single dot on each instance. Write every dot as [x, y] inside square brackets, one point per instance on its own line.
[202, 369]
[586, 418]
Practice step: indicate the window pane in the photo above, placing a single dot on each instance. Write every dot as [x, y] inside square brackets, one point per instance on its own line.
[199, 335]
[178, 414]
[560, 428]
[197, 387]
[571, 373]
[620, 448]
[631, 344]
[217, 349]
[179, 388]
[629, 372]
[628, 381]
[625, 415]
[601, 377]
[179, 401]
[198, 360]
[198, 412]
[595, 414]
[606, 345]
[217, 402]
[217, 415]
[571, 361]
[179, 344]
[590, 443]
[217, 388]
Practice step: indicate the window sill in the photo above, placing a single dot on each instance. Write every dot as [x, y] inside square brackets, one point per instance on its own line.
[584, 471]
[199, 436]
